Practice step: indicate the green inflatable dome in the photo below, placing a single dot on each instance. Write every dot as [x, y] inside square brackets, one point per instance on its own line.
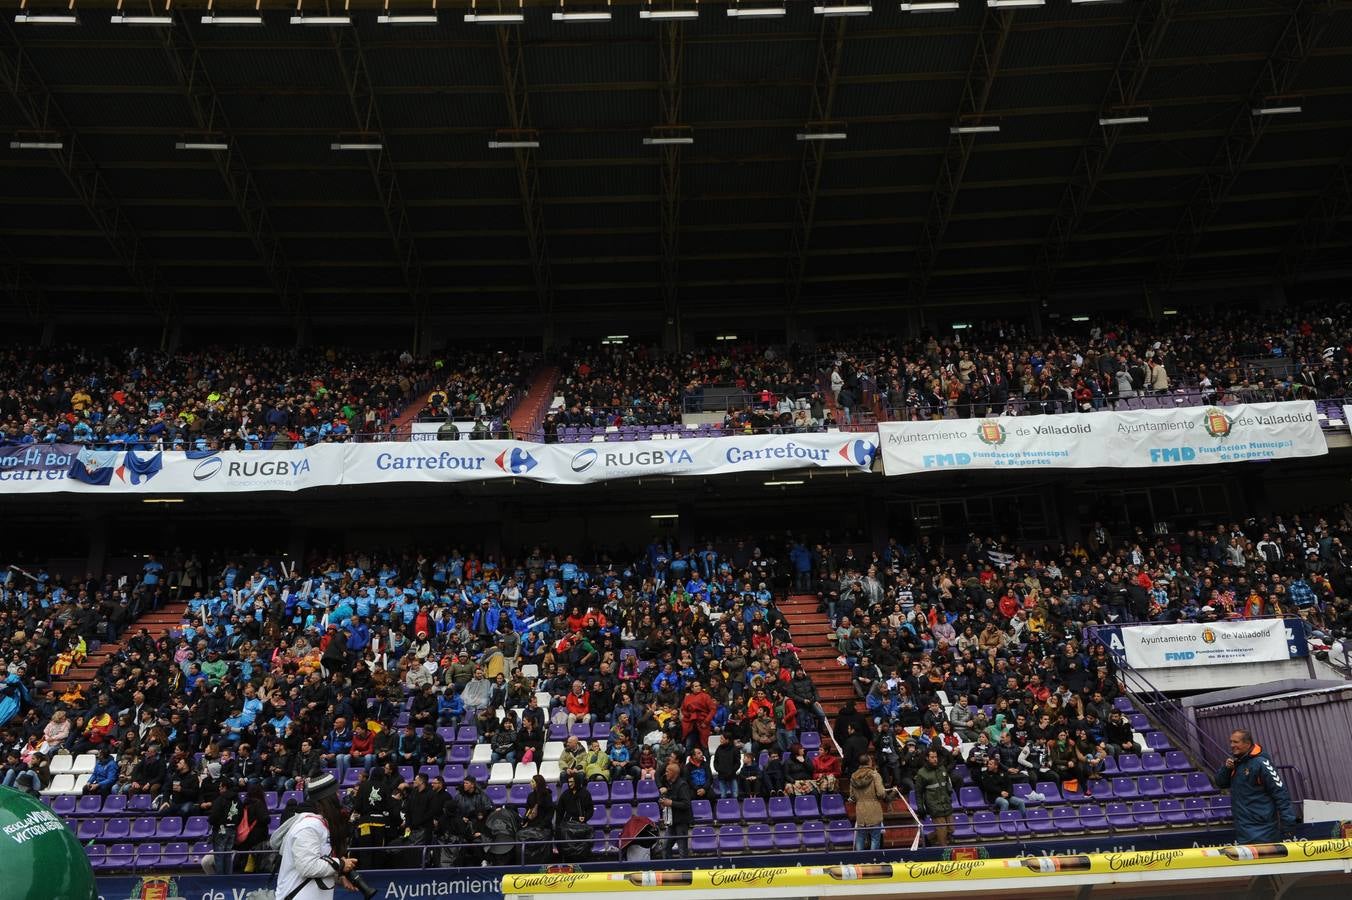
[40, 857]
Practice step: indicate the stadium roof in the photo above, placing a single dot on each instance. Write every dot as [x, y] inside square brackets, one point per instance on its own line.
[748, 219]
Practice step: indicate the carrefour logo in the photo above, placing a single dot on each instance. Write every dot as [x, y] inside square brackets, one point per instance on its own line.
[208, 468]
[516, 461]
[584, 459]
[859, 452]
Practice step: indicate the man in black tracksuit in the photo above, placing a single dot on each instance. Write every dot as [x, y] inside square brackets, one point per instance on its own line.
[1258, 796]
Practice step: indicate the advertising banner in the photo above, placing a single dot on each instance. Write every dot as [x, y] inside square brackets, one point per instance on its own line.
[1209, 644]
[1138, 439]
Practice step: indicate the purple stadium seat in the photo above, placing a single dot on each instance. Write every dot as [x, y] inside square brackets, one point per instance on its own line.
[810, 740]
[1196, 811]
[518, 794]
[117, 828]
[1152, 762]
[175, 855]
[1173, 814]
[600, 816]
[1129, 764]
[805, 806]
[753, 809]
[90, 829]
[1143, 812]
[142, 829]
[1199, 783]
[646, 790]
[727, 811]
[786, 836]
[63, 805]
[840, 834]
[1119, 816]
[430, 771]
[703, 840]
[970, 798]
[1125, 788]
[1100, 790]
[352, 777]
[702, 811]
[1139, 722]
[197, 851]
[781, 809]
[558, 732]
[1149, 786]
[833, 806]
[406, 773]
[621, 813]
[1038, 820]
[1022, 790]
[1219, 808]
[1123, 704]
[299, 796]
[460, 754]
[1158, 741]
[1176, 786]
[601, 731]
[581, 731]
[1176, 761]
[120, 856]
[467, 734]
[813, 835]
[731, 839]
[478, 770]
[649, 810]
[1012, 825]
[454, 773]
[273, 801]
[1092, 818]
[1051, 790]
[759, 838]
[961, 774]
[985, 825]
[139, 803]
[196, 828]
[1066, 820]
[98, 855]
[148, 856]
[622, 790]
[497, 793]
[447, 733]
[89, 805]
[114, 805]
[962, 828]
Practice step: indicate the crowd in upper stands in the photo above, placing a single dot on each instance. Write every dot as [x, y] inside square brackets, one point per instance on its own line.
[278, 673]
[476, 387]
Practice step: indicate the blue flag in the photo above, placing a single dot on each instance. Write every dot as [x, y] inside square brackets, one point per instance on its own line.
[136, 470]
[94, 466]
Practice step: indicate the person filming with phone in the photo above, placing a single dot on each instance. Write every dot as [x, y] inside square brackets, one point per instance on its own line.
[1262, 807]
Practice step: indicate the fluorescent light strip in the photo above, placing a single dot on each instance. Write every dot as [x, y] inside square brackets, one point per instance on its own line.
[120, 19]
[1276, 110]
[1170, 312]
[26, 18]
[581, 17]
[849, 9]
[665, 141]
[668, 14]
[201, 145]
[367, 145]
[1014, 4]
[411, 19]
[213, 19]
[1124, 120]
[757, 12]
[780, 483]
[665, 516]
[820, 136]
[495, 18]
[927, 6]
[974, 129]
[513, 145]
[321, 20]
[36, 145]
[163, 500]
[1079, 318]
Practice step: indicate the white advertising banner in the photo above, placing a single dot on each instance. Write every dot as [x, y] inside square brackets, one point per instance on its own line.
[50, 468]
[446, 461]
[1205, 644]
[1138, 439]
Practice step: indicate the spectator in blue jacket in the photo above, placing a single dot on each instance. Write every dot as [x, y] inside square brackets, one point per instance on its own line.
[1262, 807]
[104, 775]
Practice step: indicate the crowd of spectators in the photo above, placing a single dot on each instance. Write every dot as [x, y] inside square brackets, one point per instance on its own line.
[240, 398]
[476, 387]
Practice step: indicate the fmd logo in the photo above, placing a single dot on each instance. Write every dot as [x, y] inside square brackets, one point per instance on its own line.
[1179, 656]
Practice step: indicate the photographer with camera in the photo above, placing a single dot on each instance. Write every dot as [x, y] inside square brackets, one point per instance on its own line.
[311, 845]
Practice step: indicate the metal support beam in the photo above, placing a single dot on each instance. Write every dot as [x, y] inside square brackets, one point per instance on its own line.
[1143, 42]
[830, 49]
[976, 90]
[36, 105]
[361, 94]
[186, 61]
[1307, 24]
[1321, 222]
[671, 51]
[20, 287]
[516, 93]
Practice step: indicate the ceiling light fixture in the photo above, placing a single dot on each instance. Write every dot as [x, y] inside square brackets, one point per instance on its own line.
[757, 12]
[495, 18]
[201, 145]
[357, 145]
[845, 9]
[121, 18]
[582, 15]
[928, 6]
[212, 19]
[163, 500]
[1170, 312]
[781, 483]
[668, 14]
[665, 516]
[1276, 110]
[666, 141]
[320, 21]
[513, 145]
[24, 17]
[1014, 4]
[1079, 318]
[820, 136]
[974, 129]
[1123, 120]
[36, 145]
[389, 18]
[961, 326]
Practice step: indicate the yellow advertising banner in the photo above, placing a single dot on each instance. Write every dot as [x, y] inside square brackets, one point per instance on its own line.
[902, 873]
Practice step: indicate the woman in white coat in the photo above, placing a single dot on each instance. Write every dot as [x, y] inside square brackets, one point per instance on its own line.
[309, 843]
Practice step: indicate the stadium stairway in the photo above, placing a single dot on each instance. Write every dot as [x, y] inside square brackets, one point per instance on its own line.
[530, 412]
[157, 624]
[811, 632]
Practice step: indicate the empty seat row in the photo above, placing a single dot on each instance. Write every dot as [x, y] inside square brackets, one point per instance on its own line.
[1191, 812]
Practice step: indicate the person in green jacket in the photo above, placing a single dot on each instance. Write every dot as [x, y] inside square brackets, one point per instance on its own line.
[596, 763]
[934, 796]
